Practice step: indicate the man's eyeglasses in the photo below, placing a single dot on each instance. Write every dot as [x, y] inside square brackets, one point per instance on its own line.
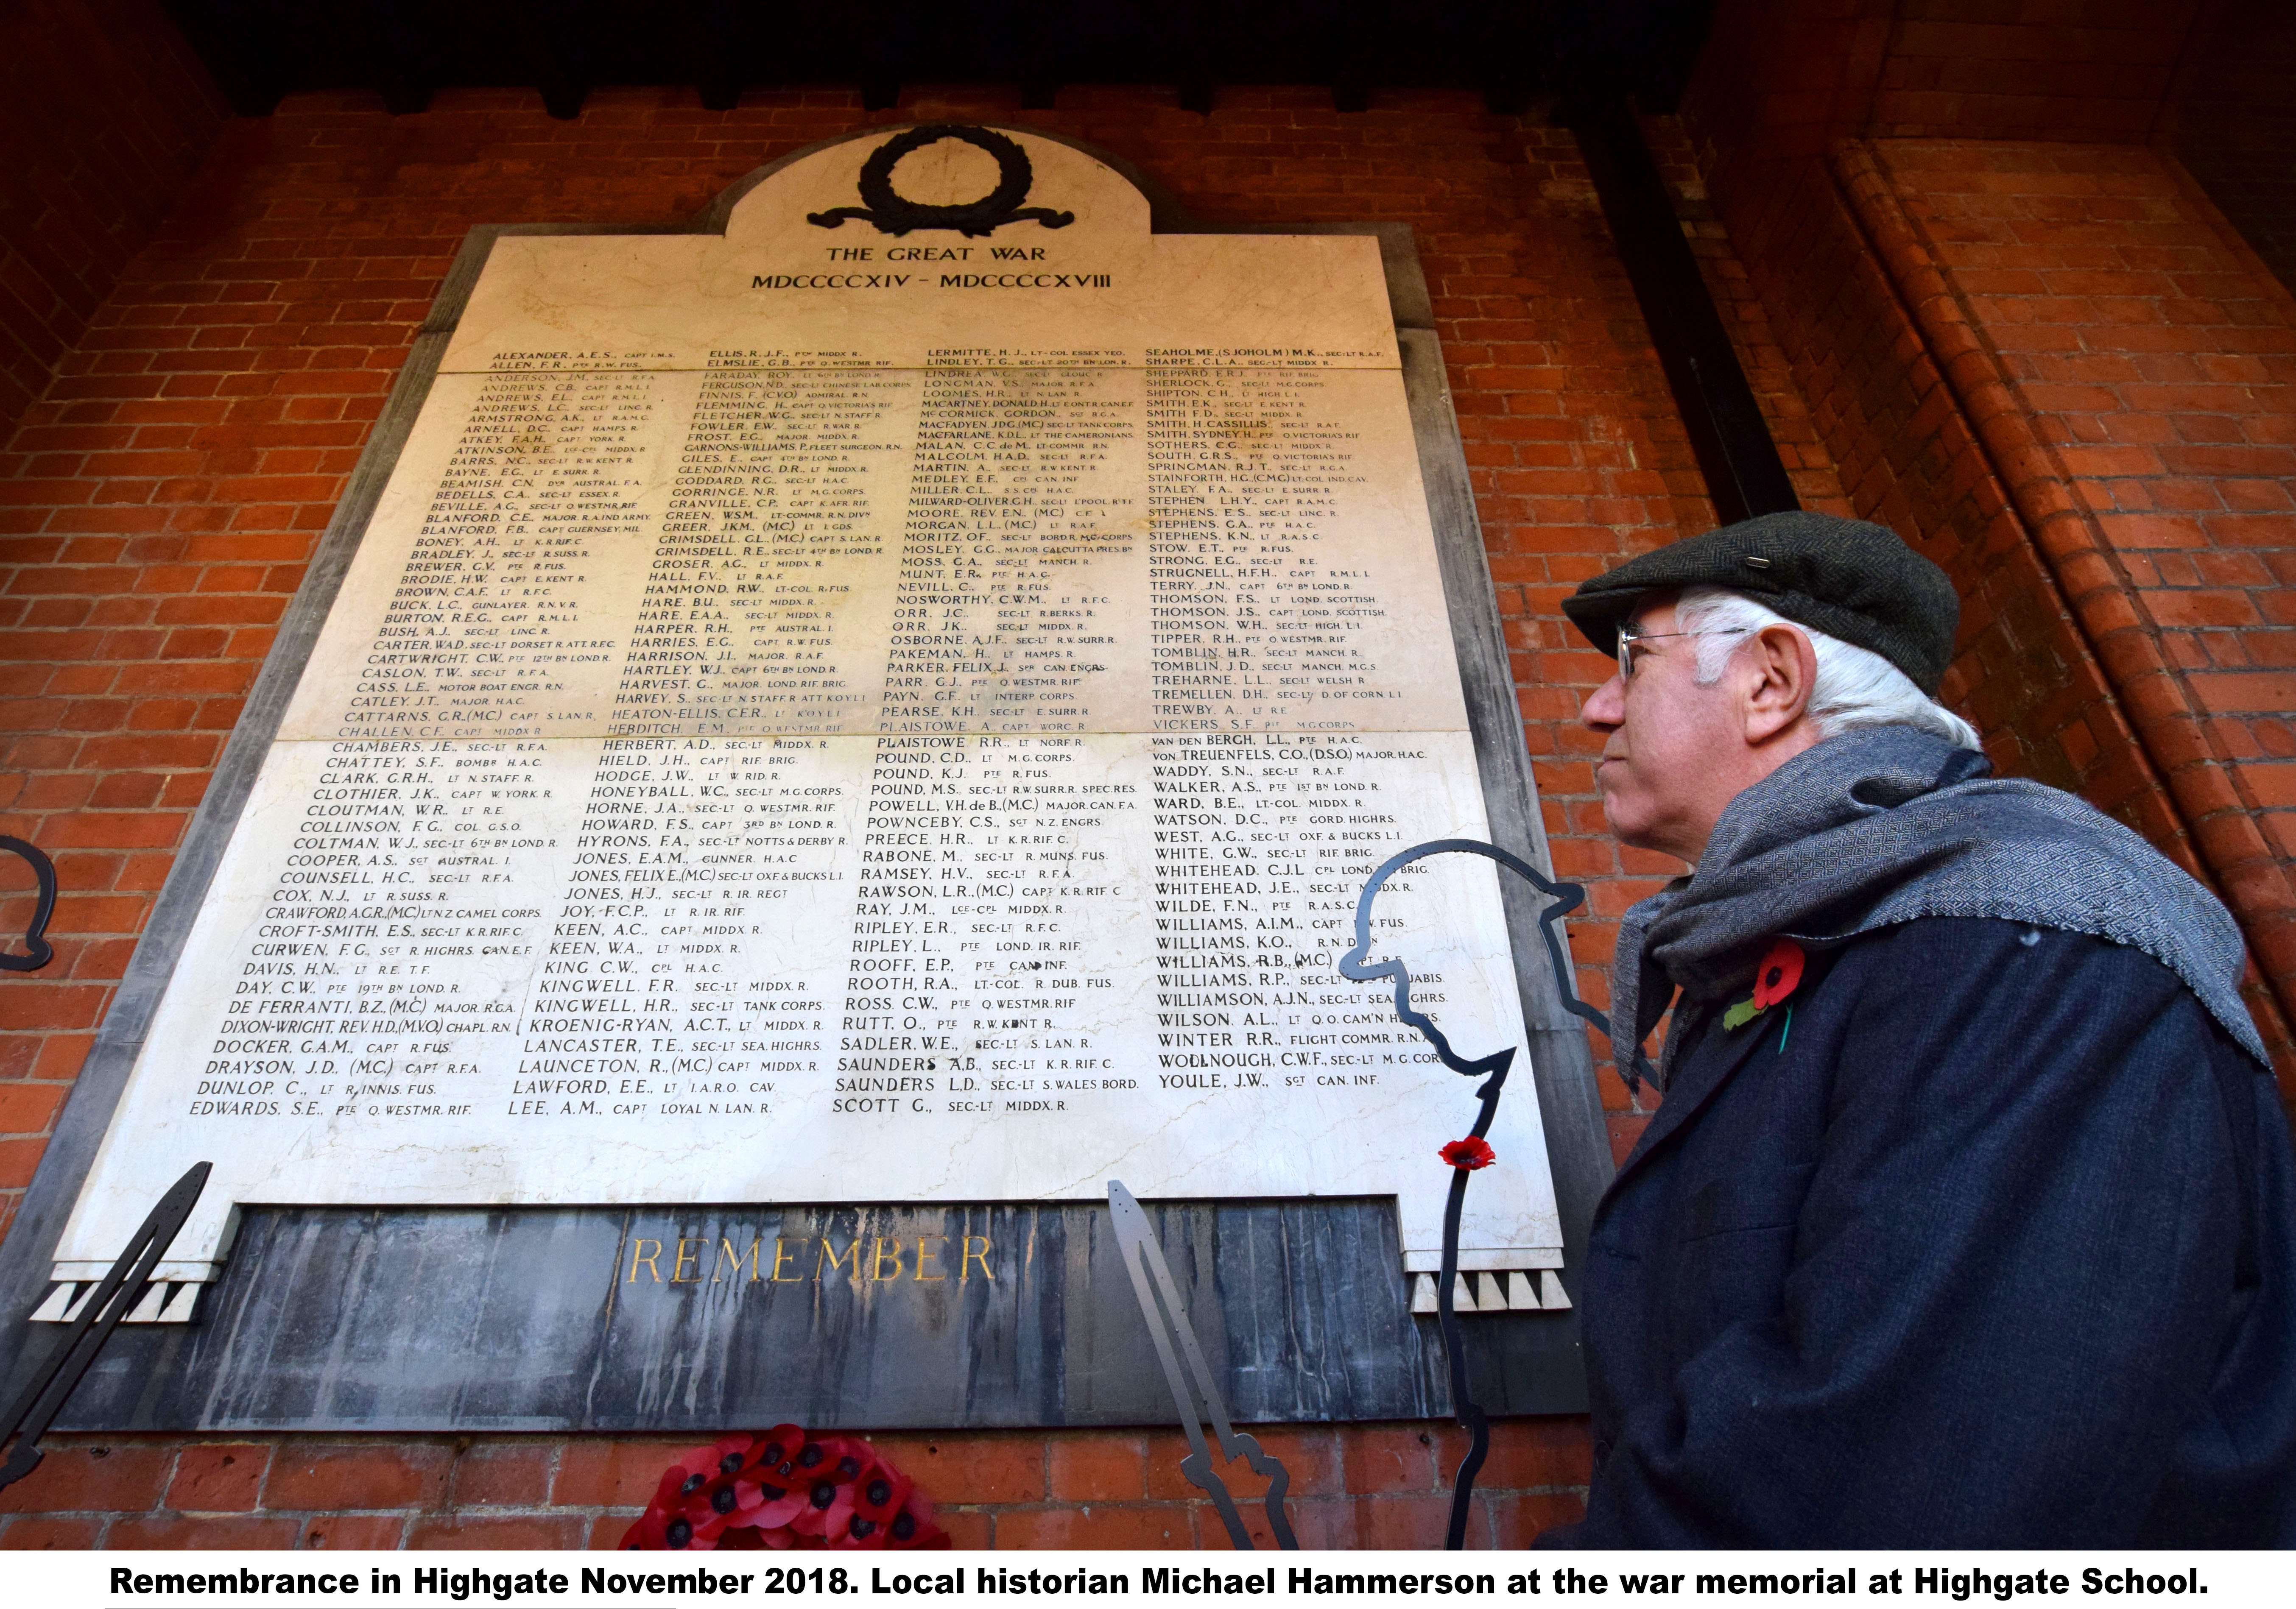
[1627, 639]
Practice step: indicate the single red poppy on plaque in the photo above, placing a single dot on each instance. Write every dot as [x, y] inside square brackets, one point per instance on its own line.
[1779, 974]
[1470, 1153]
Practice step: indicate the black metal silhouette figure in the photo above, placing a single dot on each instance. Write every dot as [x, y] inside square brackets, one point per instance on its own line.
[1562, 899]
[39, 952]
[1191, 1386]
[100, 1314]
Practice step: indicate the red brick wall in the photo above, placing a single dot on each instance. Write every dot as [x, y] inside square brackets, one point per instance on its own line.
[2136, 380]
[1361, 1486]
[105, 115]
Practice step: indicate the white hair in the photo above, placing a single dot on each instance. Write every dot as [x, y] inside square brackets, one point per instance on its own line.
[1855, 687]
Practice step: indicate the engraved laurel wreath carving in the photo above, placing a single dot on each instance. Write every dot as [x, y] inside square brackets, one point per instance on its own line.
[895, 213]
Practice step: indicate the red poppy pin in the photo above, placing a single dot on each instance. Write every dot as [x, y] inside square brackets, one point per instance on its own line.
[1469, 1154]
[1778, 976]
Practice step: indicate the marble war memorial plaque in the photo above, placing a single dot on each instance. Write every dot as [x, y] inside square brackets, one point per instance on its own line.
[879, 710]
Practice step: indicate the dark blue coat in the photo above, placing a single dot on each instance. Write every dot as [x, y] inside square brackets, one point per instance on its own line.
[1997, 1248]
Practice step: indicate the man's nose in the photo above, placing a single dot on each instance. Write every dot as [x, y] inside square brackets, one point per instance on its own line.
[1606, 707]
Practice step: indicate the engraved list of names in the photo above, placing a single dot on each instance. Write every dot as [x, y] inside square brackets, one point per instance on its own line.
[824, 715]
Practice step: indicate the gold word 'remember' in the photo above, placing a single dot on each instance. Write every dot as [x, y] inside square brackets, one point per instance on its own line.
[890, 1259]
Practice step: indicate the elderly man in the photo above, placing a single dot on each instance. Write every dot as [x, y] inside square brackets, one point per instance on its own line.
[1967, 1217]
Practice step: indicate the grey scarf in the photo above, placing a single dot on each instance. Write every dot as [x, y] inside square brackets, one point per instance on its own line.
[1888, 824]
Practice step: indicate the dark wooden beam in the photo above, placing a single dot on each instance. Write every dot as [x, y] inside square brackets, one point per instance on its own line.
[718, 54]
[400, 32]
[1192, 30]
[248, 58]
[1348, 45]
[556, 36]
[1037, 35]
[1743, 473]
[1508, 43]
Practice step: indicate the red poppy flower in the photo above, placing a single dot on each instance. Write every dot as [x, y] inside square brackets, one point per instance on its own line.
[880, 1493]
[779, 1504]
[694, 1468]
[770, 1489]
[750, 1501]
[647, 1532]
[774, 1448]
[827, 1472]
[828, 1507]
[674, 1531]
[670, 1520]
[1779, 974]
[711, 1509]
[913, 1529]
[859, 1534]
[1470, 1153]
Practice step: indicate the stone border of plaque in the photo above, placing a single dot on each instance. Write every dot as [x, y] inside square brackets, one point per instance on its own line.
[1304, 1305]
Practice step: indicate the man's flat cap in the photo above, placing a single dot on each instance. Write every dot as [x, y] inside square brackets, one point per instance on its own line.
[1848, 578]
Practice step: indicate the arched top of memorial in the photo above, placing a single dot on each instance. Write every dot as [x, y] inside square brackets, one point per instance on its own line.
[943, 184]
[928, 246]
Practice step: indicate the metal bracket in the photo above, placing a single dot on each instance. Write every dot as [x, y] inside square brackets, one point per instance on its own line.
[29, 1416]
[1144, 1259]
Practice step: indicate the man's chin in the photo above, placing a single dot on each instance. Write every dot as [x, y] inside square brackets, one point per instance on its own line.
[1622, 829]
[1628, 833]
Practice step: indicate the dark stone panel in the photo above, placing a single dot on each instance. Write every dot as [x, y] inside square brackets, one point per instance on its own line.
[618, 1320]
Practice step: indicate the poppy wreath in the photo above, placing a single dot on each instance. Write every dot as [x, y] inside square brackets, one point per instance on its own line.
[783, 1488]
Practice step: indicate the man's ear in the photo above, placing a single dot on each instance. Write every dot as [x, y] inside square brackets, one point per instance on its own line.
[1784, 668]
